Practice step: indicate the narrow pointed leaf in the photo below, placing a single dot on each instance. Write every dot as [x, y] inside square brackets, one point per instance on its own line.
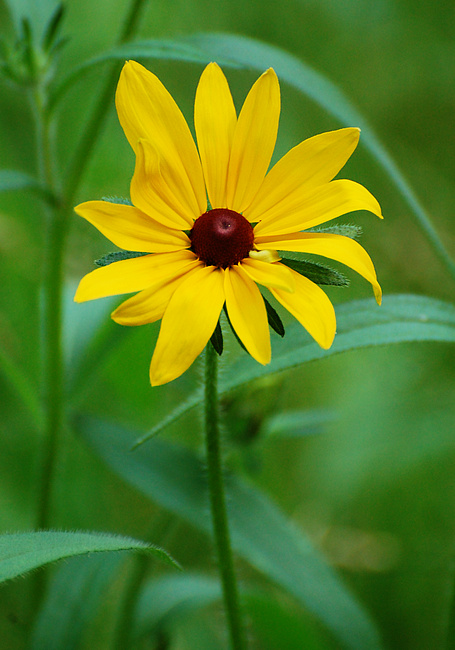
[296, 424]
[163, 597]
[12, 179]
[21, 385]
[345, 229]
[318, 273]
[74, 596]
[53, 27]
[360, 324]
[117, 256]
[23, 552]
[217, 339]
[274, 320]
[174, 596]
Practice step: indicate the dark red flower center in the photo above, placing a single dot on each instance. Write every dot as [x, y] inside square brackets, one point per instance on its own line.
[221, 237]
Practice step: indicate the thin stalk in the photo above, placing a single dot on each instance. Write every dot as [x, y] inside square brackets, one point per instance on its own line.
[53, 278]
[58, 227]
[218, 502]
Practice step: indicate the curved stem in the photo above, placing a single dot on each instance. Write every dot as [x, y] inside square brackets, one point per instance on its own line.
[218, 501]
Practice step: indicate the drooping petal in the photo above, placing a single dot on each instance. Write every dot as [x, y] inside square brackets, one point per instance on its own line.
[214, 120]
[131, 275]
[153, 194]
[247, 313]
[312, 308]
[312, 163]
[188, 323]
[131, 229]
[336, 247]
[254, 141]
[306, 209]
[274, 275]
[146, 110]
[149, 305]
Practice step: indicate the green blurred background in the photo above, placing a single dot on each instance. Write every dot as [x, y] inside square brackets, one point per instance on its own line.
[375, 488]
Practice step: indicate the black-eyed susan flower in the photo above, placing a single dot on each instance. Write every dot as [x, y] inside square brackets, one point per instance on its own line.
[212, 221]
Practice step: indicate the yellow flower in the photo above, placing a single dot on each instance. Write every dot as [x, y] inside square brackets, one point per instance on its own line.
[202, 256]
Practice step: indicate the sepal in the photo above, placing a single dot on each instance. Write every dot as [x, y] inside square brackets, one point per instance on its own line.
[314, 271]
[217, 339]
[345, 229]
[117, 199]
[118, 256]
[275, 321]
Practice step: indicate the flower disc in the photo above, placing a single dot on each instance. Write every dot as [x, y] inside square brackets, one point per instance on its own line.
[221, 237]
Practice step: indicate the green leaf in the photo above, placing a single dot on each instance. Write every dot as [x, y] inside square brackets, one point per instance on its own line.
[217, 339]
[273, 318]
[296, 424]
[23, 552]
[89, 337]
[314, 271]
[171, 597]
[52, 28]
[24, 389]
[244, 52]
[260, 532]
[117, 199]
[73, 598]
[361, 323]
[11, 179]
[117, 256]
[37, 14]
[237, 337]
[344, 229]
[165, 597]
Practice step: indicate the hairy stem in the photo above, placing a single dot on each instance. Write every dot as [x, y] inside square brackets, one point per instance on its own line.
[218, 502]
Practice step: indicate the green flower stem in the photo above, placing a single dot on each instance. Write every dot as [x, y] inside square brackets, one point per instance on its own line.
[218, 501]
[52, 315]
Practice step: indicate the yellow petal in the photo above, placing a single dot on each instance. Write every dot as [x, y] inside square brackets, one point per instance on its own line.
[307, 209]
[336, 247]
[188, 323]
[312, 163]
[130, 229]
[149, 305]
[214, 119]
[146, 110]
[247, 313]
[131, 275]
[151, 190]
[264, 256]
[310, 305]
[274, 275]
[254, 141]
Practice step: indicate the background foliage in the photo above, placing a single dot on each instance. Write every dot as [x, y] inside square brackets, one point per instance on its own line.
[357, 451]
